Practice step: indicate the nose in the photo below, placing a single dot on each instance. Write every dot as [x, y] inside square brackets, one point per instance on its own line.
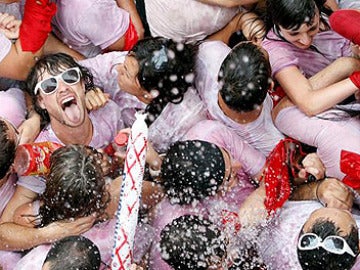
[305, 39]
[61, 85]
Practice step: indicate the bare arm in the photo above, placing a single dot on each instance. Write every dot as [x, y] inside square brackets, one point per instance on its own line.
[249, 23]
[16, 237]
[301, 91]
[54, 45]
[129, 6]
[229, 3]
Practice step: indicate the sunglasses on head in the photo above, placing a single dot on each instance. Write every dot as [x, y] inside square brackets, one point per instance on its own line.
[48, 86]
[333, 244]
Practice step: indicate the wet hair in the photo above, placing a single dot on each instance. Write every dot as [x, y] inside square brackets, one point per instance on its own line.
[189, 241]
[245, 77]
[54, 64]
[75, 186]
[7, 149]
[73, 252]
[319, 259]
[292, 14]
[192, 170]
[166, 67]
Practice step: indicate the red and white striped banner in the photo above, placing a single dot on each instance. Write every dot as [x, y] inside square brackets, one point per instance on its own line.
[127, 213]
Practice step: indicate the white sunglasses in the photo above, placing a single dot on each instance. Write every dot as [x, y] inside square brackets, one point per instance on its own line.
[333, 243]
[48, 86]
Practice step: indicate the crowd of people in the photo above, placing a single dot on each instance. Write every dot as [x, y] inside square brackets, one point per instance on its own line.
[252, 108]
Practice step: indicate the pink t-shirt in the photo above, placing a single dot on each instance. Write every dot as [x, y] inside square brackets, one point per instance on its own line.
[261, 133]
[5, 45]
[186, 20]
[89, 26]
[329, 44]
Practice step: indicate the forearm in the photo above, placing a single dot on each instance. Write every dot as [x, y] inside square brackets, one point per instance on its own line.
[54, 45]
[339, 70]
[129, 6]
[313, 101]
[304, 192]
[16, 237]
[228, 3]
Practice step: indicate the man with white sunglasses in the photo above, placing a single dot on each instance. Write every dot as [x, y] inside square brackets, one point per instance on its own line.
[58, 85]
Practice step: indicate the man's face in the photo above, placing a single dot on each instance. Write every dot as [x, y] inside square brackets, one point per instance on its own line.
[66, 105]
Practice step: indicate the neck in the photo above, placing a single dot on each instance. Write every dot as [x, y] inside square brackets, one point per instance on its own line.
[239, 117]
[74, 135]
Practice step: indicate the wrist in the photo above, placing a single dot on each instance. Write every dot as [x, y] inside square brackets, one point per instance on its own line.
[317, 193]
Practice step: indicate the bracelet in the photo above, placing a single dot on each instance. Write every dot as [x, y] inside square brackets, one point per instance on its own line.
[316, 193]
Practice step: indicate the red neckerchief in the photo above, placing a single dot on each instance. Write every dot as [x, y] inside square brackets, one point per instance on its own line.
[350, 165]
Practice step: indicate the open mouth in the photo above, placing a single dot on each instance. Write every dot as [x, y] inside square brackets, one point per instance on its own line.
[68, 102]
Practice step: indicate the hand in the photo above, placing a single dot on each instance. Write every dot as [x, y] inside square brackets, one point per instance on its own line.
[252, 27]
[136, 267]
[60, 229]
[30, 129]
[333, 193]
[9, 26]
[96, 99]
[312, 165]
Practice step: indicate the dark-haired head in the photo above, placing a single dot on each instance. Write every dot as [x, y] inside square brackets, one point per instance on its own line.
[165, 70]
[192, 170]
[192, 242]
[7, 147]
[75, 186]
[323, 226]
[73, 252]
[245, 77]
[54, 64]
[292, 14]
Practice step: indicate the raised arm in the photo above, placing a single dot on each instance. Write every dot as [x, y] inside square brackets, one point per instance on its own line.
[34, 30]
[324, 90]
[229, 3]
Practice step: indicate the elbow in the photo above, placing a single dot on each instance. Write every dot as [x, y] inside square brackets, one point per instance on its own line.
[308, 109]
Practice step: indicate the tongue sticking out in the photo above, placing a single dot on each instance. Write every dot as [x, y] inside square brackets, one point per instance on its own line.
[73, 112]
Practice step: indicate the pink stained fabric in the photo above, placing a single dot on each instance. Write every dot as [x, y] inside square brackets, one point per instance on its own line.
[283, 54]
[90, 26]
[12, 106]
[262, 133]
[173, 122]
[186, 20]
[330, 137]
[107, 121]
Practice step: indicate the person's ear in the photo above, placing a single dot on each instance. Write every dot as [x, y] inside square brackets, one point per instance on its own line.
[41, 103]
[272, 84]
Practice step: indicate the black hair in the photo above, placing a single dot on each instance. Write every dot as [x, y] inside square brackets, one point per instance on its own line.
[189, 241]
[166, 67]
[73, 253]
[319, 259]
[192, 170]
[245, 77]
[53, 64]
[292, 14]
[7, 149]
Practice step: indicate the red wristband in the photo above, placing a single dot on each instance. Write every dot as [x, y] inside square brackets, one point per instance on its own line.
[131, 37]
[355, 78]
[36, 24]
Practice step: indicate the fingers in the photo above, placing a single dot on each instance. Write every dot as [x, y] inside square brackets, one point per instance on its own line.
[96, 99]
[333, 193]
[313, 165]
